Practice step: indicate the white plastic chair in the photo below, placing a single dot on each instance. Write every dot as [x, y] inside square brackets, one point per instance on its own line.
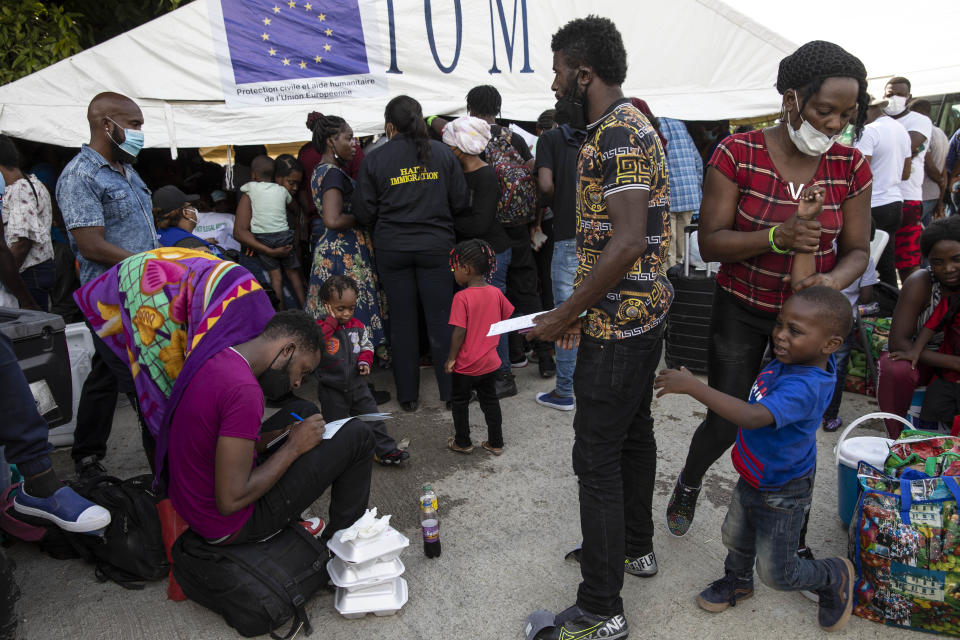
[878, 244]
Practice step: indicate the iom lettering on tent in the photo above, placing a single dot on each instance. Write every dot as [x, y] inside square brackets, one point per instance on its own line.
[503, 32]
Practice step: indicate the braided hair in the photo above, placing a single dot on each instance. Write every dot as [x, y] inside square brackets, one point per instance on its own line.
[476, 254]
[339, 284]
[324, 128]
[484, 100]
[285, 164]
[806, 68]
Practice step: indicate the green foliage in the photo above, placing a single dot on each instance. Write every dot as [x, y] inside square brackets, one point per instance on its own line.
[34, 34]
[37, 33]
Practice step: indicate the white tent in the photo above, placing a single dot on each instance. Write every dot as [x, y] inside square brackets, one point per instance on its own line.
[690, 59]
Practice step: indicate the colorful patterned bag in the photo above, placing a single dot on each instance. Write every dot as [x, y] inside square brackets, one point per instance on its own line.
[932, 454]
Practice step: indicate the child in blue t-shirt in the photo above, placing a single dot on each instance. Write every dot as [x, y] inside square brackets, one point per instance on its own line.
[776, 455]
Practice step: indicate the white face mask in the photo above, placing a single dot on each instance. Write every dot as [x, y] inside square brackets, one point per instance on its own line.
[895, 105]
[808, 139]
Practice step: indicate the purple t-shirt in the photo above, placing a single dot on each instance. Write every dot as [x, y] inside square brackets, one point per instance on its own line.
[222, 399]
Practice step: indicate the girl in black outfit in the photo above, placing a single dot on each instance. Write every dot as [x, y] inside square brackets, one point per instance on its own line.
[408, 191]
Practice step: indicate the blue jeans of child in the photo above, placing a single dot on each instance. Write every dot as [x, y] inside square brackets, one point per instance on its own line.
[499, 279]
[763, 527]
[562, 271]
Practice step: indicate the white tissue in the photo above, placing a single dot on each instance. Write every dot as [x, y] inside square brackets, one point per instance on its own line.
[368, 526]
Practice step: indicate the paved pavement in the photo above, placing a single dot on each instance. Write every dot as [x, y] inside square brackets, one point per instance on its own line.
[506, 524]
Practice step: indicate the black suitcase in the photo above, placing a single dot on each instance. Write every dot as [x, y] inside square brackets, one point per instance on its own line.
[687, 333]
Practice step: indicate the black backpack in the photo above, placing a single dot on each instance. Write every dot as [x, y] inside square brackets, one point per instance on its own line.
[255, 586]
[130, 550]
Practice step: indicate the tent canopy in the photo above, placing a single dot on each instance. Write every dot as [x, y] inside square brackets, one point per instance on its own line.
[690, 59]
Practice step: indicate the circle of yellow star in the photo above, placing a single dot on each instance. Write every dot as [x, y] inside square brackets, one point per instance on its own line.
[272, 51]
[266, 22]
[265, 36]
[326, 47]
[303, 65]
[308, 7]
[276, 9]
[291, 4]
[286, 62]
[329, 32]
[322, 17]
[317, 59]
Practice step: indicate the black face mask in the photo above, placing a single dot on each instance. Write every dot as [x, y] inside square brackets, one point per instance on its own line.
[571, 108]
[275, 383]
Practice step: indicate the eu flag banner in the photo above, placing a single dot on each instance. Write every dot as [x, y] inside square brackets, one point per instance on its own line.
[294, 39]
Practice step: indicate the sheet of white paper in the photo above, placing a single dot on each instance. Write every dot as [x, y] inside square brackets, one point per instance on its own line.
[332, 427]
[519, 323]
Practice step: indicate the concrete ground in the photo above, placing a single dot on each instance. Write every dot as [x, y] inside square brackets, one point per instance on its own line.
[506, 524]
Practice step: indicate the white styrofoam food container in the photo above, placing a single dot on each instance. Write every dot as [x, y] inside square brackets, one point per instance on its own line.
[352, 577]
[384, 599]
[365, 551]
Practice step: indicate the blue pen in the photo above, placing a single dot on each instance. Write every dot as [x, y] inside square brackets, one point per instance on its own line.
[296, 416]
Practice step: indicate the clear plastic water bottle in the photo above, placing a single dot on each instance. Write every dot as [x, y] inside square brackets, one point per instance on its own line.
[430, 522]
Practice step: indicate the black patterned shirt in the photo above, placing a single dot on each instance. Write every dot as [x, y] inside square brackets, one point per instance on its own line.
[622, 151]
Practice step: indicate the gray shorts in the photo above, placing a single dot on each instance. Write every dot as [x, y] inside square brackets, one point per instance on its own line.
[274, 240]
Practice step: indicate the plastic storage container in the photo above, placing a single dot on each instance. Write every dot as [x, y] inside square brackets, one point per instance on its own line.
[80, 349]
[351, 577]
[382, 600]
[364, 552]
[41, 349]
[849, 453]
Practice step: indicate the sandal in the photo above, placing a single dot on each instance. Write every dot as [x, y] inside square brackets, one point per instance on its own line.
[494, 450]
[453, 446]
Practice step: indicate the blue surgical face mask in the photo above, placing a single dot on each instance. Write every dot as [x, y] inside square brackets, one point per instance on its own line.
[132, 139]
[3, 188]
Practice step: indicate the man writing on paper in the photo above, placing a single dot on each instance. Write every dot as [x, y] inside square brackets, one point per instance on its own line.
[206, 348]
[623, 232]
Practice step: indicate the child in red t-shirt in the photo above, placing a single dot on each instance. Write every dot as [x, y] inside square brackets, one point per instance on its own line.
[473, 360]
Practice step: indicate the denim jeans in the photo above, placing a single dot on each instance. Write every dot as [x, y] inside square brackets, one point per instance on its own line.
[926, 215]
[39, 280]
[563, 270]
[843, 357]
[499, 279]
[615, 459]
[764, 527]
[23, 431]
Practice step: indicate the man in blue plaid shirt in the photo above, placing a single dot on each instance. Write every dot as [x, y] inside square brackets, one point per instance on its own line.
[686, 180]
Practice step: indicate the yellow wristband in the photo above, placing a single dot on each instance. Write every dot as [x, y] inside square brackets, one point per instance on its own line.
[773, 245]
[430, 120]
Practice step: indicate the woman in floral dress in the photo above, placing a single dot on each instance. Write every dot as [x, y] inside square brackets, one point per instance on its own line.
[344, 248]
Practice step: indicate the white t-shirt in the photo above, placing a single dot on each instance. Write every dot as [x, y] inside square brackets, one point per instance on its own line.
[869, 278]
[888, 145]
[216, 228]
[938, 154]
[912, 189]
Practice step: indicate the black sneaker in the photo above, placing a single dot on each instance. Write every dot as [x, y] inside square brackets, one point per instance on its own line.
[505, 385]
[642, 566]
[681, 508]
[725, 592]
[89, 467]
[392, 459]
[836, 599]
[548, 368]
[587, 626]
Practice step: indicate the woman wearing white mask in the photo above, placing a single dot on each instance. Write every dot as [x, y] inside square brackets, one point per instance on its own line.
[748, 222]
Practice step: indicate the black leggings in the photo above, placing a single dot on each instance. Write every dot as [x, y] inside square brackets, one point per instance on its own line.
[738, 340]
[887, 217]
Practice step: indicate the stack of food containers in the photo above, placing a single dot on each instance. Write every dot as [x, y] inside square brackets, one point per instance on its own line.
[367, 574]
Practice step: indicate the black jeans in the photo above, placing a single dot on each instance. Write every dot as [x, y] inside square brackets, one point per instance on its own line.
[738, 340]
[98, 402]
[887, 218]
[343, 462]
[544, 260]
[356, 400]
[523, 287]
[487, 395]
[615, 459]
[407, 276]
[39, 280]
